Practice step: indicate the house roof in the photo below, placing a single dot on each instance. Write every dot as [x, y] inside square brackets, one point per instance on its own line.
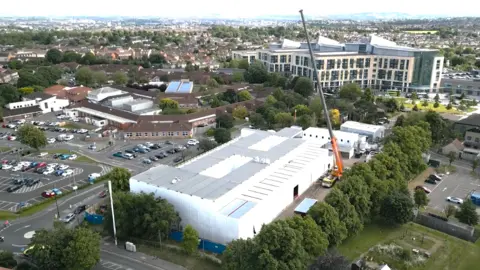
[472, 120]
[38, 95]
[21, 111]
[457, 144]
[55, 90]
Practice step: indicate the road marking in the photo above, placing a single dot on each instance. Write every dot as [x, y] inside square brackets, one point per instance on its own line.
[132, 259]
[29, 235]
[20, 246]
[445, 188]
[24, 227]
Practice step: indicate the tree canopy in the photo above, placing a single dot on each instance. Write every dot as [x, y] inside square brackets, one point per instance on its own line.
[304, 86]
[32, 136]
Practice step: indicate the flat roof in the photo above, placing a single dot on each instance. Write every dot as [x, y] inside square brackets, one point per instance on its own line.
[103, 115]
[192, 178]
[305, 205]
[362, 126]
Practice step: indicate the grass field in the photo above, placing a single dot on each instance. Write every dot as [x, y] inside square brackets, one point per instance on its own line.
[422, 32]
[447, 252]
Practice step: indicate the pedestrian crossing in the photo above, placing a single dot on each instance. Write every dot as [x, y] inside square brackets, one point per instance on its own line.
[105, 168]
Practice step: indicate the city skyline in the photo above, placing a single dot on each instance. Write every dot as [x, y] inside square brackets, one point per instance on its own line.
[235, 9]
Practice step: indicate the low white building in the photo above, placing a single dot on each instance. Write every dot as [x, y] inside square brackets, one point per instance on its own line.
[347, 141]
[373, 132]
[46, 102]
[232, 190]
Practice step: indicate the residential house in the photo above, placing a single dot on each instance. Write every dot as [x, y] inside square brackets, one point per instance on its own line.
[5, 57]
[8, 75]
[26, 55]
[467, 123]
[455, 146]
[472, 144]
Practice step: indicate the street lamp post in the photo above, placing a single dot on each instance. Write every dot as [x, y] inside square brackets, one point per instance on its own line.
[56, 203]
[113, 212]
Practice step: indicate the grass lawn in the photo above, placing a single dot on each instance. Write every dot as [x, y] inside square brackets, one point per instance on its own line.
[4, 149]
[80, 158]
[440, 109]
[447, 252]
[73, 125]
[423, 32]
[177, 257]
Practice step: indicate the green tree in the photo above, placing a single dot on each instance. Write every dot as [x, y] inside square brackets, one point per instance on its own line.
[351, 91]
[190, 240]
[241, 254]
[425, 103]
[168, 103]
[449, 210]
[256, 73]
[332, 260]
[141, 216]
[222, 135]
[397, 208]
[414, 96]
[71, 56]
[283, 245]
[206, 145]
[120, 78]
[224, 121]
[240, 112]
[346, 212]
[316, 107]
[467, 213]
[26, 90]
[9, 93]
[304, 86]
[237, 77]
[7, 260]
[420, 198]
[368, 95]
[65, 249]
[314, 240]
[100, 77]
[212, 83]
[54, 56]
[451, 157]
[436, 98]
[328, 220]
[25, 265]
[284, 119]
[84, 76]
[88, 59]
[120, 178]
[256, 120]
[305, 121]
[243, 64]
[32, 136]
[244, 95]
[358, 193]
[301, 109]
[475, 164]
[155, 58]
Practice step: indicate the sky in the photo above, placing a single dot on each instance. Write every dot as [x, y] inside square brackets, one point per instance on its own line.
[233, 8]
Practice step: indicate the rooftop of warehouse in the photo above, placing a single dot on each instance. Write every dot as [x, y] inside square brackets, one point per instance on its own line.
[220, 170]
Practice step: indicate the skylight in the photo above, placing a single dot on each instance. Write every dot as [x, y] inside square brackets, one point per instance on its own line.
[226, 166]
[268, 143]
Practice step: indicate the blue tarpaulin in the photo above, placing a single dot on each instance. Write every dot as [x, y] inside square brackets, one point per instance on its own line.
[305, 205]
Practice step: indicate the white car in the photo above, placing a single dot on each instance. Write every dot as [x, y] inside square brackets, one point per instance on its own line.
[25, 163]
[63, 167]
[67, 173]
[455, 200]
[51, 140]
[82, 131]
[68, 137]
[193, 142]
[49, 170]
[52, 165]
[73, 157]
[148, 144]
[17, 168]
[68, 218]
[43, 154]
[141, 146]
[6, 167]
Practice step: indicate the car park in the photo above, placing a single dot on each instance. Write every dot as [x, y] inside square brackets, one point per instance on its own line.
[171, 151]
[32, 182]
[455, 200]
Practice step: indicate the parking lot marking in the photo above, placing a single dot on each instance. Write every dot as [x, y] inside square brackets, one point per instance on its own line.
[445, 188]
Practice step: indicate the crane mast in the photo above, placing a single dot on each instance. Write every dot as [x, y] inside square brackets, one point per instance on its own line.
[338, 170]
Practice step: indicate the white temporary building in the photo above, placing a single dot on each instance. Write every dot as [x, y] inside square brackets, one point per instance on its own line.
[373, 132]
[347, 141]
[232, 190]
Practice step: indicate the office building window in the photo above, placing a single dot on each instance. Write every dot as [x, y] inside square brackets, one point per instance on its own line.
[367, 62]
[402, 64]
[360, 63]
[389, 75]
[393, 63]
[344, 63]
[305, 62]
[352, 63]
[297, 60]
[330, 64]
[380, 62]
[381, 74]
[283, 58]
[339, 63]
[289, 59]
[138, 134]
[274, 59]
[335, 75]
[129, 134]
[286, 68]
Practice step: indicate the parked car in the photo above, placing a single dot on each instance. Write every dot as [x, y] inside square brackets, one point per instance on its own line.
[146, 161]
[72, 157]
[148, 144]
[32, 182]
[48, 170]
[6, 167]
[48, 193]
[156, 146]
[59, 172]
[178, 159]
[103, 194]
[130, 151]
[193, 142]
[67, 173]
[51, 140]
[454, 200]
[118, 154]
[80, 209]
[57, 191]
[13, 188]
[153, 158]
[430, 181]
[171, 151]
[425, 189]
[435, 177]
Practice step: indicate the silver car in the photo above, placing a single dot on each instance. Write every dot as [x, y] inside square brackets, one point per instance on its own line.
[68, 218]
[455, 200]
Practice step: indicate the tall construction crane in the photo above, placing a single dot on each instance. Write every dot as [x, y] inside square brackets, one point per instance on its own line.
[337, 171]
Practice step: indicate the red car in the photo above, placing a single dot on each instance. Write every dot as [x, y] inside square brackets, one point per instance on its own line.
[41, 164]
[427, 190]
[48, 193]
[4, 161]
[103, 194]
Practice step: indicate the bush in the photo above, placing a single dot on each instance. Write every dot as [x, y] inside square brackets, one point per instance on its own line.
[210, 132]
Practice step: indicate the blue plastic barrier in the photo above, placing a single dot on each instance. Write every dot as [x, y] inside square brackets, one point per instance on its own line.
[94, 219]
[202, 245]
